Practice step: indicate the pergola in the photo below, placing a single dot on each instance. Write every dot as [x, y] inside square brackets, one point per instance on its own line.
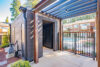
[63, 9]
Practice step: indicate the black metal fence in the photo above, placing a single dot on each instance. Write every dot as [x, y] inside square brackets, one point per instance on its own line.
[82, 43]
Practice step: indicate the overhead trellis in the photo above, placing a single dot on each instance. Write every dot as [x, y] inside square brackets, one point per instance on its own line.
[70, 8]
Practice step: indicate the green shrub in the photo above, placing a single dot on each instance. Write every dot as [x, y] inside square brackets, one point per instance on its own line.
[5, 41]
[21, 63]
[4, 45]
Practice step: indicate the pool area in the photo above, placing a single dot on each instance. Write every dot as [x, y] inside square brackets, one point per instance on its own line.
[82, 44]
[71, 39]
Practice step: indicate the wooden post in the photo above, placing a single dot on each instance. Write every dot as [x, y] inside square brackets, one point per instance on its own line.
[93, 36]
[98, 32]
[91, 28]
[75, 45]
[10, 33]
[96, 37]
[35, 39]
[79, 28]
[60, 34]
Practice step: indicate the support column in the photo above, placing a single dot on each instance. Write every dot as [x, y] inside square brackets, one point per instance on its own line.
[98, 32]
[35, 38]
[10, 33]
[60, 35]
[96, 37]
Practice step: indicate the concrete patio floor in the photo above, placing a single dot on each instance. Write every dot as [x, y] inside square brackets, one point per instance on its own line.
[63, 59]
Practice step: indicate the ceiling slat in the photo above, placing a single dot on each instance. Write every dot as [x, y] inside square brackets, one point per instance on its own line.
[70, 8]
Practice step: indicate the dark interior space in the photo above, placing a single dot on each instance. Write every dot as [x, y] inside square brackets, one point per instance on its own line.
[48, 34]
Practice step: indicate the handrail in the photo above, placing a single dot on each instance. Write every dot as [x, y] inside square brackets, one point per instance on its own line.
[79, 32]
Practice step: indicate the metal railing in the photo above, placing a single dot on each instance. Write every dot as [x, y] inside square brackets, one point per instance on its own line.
[82, 43]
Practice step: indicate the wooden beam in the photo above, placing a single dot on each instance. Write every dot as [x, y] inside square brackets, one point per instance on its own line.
[98, 32]
[48, 15]
[43, 4]
[40, 3]
[60, 35]
[35, 39]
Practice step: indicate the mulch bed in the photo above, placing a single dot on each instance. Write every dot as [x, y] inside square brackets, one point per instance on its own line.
[3, 58]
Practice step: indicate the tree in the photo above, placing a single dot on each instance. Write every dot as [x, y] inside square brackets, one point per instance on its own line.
[35, 2]
[31, 3]
[7, 20]
[5, 39]
[15, 8]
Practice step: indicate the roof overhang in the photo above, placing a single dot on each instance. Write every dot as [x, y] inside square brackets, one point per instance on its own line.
[66, 8]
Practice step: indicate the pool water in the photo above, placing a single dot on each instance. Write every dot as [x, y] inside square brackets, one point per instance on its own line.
[70, 39]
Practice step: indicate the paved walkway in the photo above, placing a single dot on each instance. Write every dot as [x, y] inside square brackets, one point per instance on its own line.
[63, 59]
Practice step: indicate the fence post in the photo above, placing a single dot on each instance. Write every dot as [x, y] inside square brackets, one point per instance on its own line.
[93, 54]
[62, 40]
[75, 46]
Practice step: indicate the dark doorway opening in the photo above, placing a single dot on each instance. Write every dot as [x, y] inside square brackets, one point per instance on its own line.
[48, 34]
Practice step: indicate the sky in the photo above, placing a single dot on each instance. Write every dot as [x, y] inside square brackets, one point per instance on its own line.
[5, 9]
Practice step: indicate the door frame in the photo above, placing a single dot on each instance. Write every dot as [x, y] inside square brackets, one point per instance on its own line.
[53, 23]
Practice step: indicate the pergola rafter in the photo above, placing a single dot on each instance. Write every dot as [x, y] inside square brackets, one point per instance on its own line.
[66, 8]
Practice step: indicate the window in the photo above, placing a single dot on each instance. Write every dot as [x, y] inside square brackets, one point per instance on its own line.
[83, 26]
